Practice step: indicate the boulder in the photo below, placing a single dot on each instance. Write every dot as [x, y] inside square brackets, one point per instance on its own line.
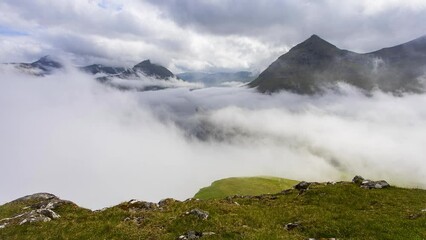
[302, 186]
[40, 209]
[199, 213]
[136, 205]
[358, 180]
[368, 184]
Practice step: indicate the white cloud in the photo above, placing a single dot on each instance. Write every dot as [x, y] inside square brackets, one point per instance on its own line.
[68, 135]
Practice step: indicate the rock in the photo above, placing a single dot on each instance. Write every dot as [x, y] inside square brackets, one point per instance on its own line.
[38, 215]
[368, 184]
[195, 235]
[135, 205]
[199, 213]
[290, 226]
[41, 211]
[302, 186]
[37, 197]
[166, 202]
[191, 235]
[358, 180]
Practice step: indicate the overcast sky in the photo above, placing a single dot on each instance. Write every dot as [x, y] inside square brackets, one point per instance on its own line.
[198, 35]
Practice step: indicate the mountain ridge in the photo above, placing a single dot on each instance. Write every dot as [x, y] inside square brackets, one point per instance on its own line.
[315, 64]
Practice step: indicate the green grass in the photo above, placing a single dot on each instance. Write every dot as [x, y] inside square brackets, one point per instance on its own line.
[244, 186]
[344, 211]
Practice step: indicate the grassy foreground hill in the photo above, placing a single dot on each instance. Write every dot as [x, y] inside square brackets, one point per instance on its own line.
[342, 210]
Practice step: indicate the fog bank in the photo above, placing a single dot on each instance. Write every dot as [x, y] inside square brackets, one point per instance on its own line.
[69, 135]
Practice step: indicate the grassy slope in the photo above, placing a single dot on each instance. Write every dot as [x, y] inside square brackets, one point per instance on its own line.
[244, 186]
[343, 210]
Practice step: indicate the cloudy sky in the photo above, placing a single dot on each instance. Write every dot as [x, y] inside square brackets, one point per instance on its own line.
[199, 34]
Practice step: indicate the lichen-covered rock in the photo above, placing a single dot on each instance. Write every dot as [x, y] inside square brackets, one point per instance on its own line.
[368, 184]
[40, 209]
[199, 213]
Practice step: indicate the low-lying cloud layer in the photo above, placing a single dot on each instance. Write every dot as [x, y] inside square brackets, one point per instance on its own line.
[70, 135]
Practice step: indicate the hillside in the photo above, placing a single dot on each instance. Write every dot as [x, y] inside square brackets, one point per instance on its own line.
[244, 186]
[315, 64]
[341, 210]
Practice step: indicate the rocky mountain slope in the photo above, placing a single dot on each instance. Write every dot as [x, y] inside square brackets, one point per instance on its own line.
[44, 66]
[315, 64]
[361, 209]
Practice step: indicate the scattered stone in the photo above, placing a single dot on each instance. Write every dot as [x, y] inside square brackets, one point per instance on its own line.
[291, 226]
[331, 183]
[199, 213]
[208, 233]
[414, 216]
[302, 186]
[358, 180]
[287, 191]
[195, 235]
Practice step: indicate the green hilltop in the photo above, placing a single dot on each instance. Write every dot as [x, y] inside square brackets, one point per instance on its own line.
[244, 186]
[342, 210]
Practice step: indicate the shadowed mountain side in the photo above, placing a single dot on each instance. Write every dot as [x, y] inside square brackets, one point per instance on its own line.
[316, 64]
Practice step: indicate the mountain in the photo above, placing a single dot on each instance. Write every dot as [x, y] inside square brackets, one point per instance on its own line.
[44, 66]
[148, 69]
[102, 69]
[219, 78]
[141, 77]
[315, 64]
[309, 210]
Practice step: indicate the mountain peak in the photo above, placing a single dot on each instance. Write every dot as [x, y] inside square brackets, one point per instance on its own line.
[46, 63]
[315, 42]
[151, 69]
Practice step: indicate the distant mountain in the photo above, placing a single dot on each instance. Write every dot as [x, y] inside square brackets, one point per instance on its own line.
[102, 69]
[141, 77]
[44, 66]
[215, 79]
[315, 64]
[146, 69]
